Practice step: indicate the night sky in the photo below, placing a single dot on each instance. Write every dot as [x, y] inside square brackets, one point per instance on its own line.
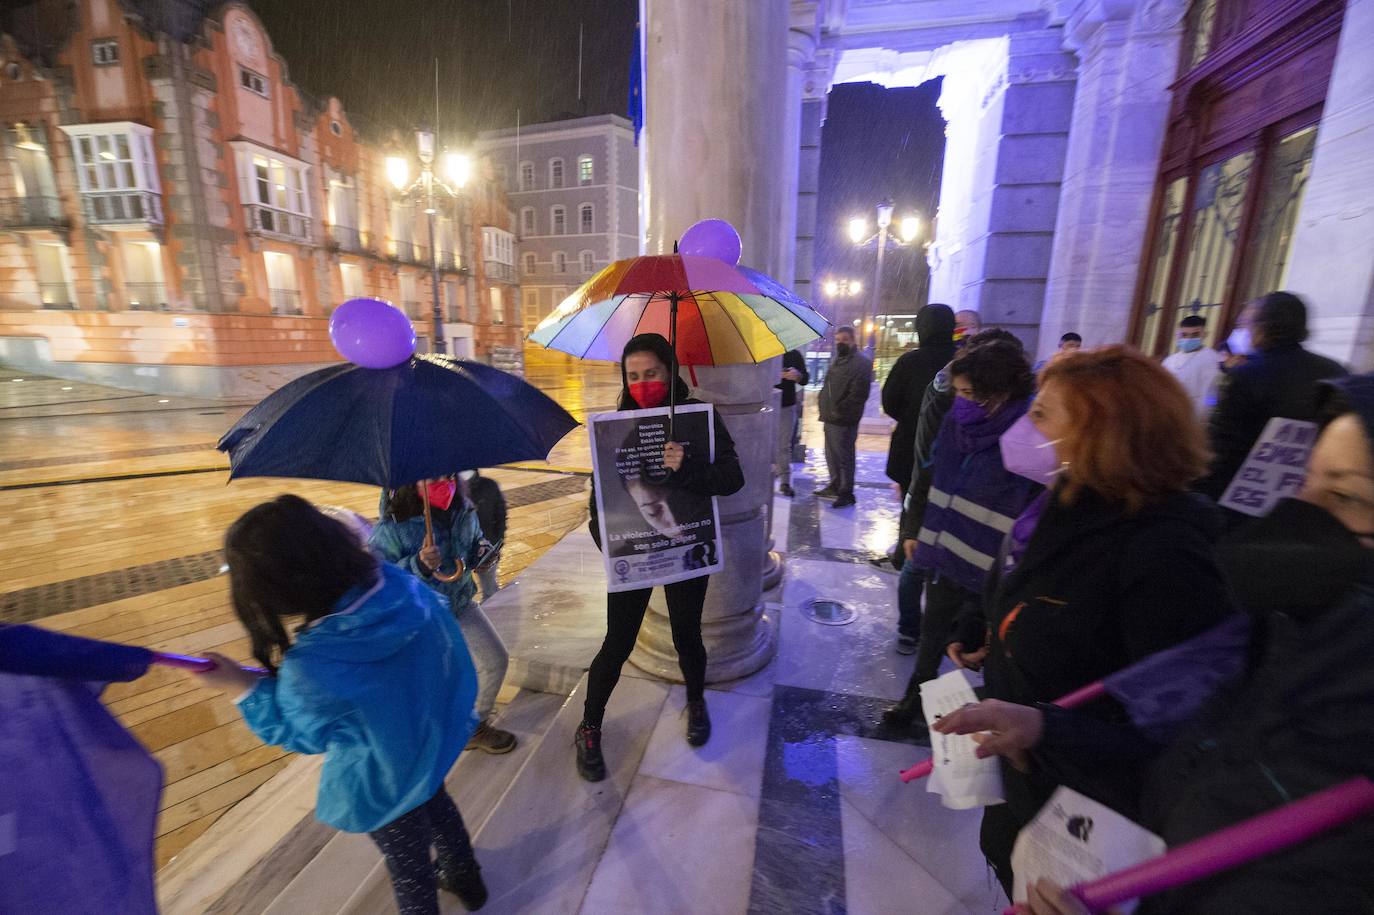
[495, 57]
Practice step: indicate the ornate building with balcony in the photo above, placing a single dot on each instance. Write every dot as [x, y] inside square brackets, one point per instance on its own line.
[177, 216]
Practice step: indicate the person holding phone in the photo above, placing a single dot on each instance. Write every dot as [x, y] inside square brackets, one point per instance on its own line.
[400, 538]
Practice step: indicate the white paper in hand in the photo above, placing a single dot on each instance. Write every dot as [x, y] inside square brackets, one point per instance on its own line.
[1074, 839]
[960, 778]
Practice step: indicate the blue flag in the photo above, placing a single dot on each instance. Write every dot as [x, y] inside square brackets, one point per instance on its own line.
[636, 110]
[78, 795]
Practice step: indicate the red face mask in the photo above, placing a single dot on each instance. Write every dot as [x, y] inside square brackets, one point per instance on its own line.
[440, 493]
[649, 393]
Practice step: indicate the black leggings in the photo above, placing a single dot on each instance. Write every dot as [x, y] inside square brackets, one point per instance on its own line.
[624, 614]
[405, 843]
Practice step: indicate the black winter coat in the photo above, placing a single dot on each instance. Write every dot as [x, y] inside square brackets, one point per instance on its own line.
[1277, 382]
[845, 391]
[793, 359]
[905, 388]
[1095, 591]
[721, 477]
[1301, 721]
[934, 405]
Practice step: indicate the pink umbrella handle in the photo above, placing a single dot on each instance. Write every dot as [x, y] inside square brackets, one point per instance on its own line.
[200, 665]
[1231, 847]
[1072, 700]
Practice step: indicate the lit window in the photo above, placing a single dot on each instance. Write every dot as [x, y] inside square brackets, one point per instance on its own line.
[255, 83]
[586, 215]
[105, 52]
[586, 172]
[555, 173]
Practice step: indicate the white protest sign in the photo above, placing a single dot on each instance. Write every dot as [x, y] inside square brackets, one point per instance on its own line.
[652, 531]
[960, 778]
[1074, 839]
[1275, 468]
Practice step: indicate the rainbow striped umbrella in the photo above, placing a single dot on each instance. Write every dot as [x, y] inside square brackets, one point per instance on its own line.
[714, 313]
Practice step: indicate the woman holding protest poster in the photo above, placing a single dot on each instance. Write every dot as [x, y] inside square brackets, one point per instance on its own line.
[646, 374]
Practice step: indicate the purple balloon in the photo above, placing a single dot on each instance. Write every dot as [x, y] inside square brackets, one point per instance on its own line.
[712, 238]
[372, 333]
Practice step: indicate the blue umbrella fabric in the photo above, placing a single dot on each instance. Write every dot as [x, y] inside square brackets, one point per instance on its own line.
[428, 417]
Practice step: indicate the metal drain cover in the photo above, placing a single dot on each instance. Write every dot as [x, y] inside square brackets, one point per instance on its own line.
[829, 612]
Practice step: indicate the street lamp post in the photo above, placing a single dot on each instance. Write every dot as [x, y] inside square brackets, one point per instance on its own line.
[909, 228]
[459, 167]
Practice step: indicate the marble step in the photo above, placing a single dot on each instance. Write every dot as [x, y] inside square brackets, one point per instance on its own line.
[328, 881]
[540, 846]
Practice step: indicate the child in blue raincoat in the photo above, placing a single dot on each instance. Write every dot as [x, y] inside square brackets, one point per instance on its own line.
[400, 536]
[376, 677]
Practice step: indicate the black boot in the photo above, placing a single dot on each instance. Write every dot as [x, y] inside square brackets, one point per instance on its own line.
[465, 883]
[907, 712]
[698, 723]
[591, 765]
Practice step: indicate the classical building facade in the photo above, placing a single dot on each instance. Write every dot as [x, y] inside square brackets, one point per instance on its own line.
[1112, 167]
[574, 188]
[177, 216]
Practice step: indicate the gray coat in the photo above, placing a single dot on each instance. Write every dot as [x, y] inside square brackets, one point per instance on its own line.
[845, 391]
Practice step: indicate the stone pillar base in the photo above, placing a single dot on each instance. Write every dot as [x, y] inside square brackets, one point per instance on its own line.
[735, 647]
[772, 570]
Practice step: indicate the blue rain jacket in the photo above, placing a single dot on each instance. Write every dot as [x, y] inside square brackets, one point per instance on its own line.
[384, 687]
[400, 542]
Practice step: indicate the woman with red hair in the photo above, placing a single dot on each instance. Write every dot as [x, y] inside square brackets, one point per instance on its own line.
[1114, 563]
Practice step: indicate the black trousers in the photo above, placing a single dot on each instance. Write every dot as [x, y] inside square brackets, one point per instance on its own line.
[944, 602]
[624, 614]
[405, 843]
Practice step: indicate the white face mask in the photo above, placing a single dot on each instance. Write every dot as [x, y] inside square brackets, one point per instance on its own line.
[467, 475]
[1239, 342]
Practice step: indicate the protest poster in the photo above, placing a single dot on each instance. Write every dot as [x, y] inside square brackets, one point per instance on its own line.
[652, 532]
[1074, 839]
[1275, 468]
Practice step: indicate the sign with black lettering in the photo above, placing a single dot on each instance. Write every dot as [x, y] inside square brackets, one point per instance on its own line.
[1275, 468]
[653, 531]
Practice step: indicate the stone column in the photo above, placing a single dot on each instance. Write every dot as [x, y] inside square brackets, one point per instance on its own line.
[1332, 261]
[1127, 60]
[815, 92]
[714, 127]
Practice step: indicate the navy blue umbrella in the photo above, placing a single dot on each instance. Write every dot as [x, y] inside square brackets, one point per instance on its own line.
[426, 418]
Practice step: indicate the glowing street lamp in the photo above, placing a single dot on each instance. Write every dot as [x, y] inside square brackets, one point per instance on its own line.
[858, 229]
[910, 228]
[458, 170]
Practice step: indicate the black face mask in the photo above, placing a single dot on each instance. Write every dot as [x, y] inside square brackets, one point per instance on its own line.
[843, 349]
[1298, 559]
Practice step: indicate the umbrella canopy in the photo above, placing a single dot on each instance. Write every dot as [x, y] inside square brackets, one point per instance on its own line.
[428, 417]
[726, 315]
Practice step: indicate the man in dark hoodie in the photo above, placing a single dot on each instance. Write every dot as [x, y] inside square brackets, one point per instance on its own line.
[902, 395]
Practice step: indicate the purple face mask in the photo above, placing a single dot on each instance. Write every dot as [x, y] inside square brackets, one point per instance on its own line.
[967, 411]
[1027, 452]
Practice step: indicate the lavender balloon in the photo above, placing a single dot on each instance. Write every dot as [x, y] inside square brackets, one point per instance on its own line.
[372, 333]
[712, 238]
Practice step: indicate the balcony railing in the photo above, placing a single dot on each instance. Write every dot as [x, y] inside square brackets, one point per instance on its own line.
[285, 301]
[348, 238]
[146, 296]
[31, 212]
[499, 272]
[55, 295]
[122, 207]
[265, 220]
[448, 260]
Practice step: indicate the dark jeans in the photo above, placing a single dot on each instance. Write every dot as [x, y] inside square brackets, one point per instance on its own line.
[944, 602]
[910, 583]
[839, 456]
[405, 843]
[624, 614]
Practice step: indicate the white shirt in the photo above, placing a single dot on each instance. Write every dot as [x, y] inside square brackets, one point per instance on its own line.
[1199, 372]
